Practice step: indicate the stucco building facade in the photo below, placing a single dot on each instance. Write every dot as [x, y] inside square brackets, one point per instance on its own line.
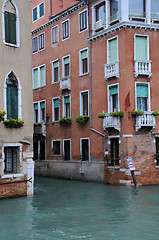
[97, 57]
[16, 126]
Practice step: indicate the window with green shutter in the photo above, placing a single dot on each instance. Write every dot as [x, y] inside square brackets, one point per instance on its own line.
[42, 76]
[35, 76]
[12, 101]
[113, 55]
[10, 27]
[142, 97]
[56, 110]
[141, 48]
[113, 92]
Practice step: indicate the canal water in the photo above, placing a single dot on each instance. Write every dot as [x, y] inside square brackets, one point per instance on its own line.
[70, 210]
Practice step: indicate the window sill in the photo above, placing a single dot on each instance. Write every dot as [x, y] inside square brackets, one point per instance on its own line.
[55, 122]
[39, 87]
[83, 30]
[12, 45]
[12, 175]
[55, 82]
[83, 74]
[113, 167]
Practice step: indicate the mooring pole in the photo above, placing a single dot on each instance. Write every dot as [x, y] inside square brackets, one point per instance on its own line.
[134, 178]
[132, 169]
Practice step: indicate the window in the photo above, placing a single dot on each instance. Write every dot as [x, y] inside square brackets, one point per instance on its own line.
[54, 34]
[35, 44]
[11, 161]
[39, 77]
[42, 111]
[66, 106]
[85, 149]
[67, 149]
[142, 97]
[115, 9]
[56, 147]
[66, 66]
[100, 12]
[55, 69]
[84, 103]
[41, 41]
[154, 9]
[112, 50]
[38, 12]
[141, 47]
[157, 151]
[56, 110]
[137, 8]
[83, 20]
[114, 147]
[36, 115]
[83, 61]
[113, 103]
[39, 150]
[65, 30]
[39, 111]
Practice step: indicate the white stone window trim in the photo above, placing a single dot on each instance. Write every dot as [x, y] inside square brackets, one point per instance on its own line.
[64, 106]
[110, 99]
[52, 65]
[43, 65]
[141, 35]
[56, 26]
[37, 45]
[52, 141]
[39, 42]
[39, 110]
[80, 31]
[67, 20]
[108, 41]
[53, 116]
[9, 175]
[148, 100]
[19, 95]
[88, 147]
[38, 12]
[68, 139]
[63, 65]
[81, 101]
[80, 62]
[17, 25]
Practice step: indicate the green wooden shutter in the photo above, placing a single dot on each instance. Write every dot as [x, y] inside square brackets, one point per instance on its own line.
[142, 91]
[113, 50]
[84, 54]
[42, 105]
[14, 103]
[113, 90]
[66, 60]
[42, 76]
[67, 99]
[56, 103]
[141, 48]
[35, 73]
[12, 28]
[56, 64]
[35, 16]
[36, 106]
[6, 17]
[8, 102]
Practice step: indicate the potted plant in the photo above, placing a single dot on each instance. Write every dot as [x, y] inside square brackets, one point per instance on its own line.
[37, 124]
[2, 114]
[155, 113]
[13, 123]
[101, 115]
[65, 121]
[82, 119]
[117, 114]
[137, 113]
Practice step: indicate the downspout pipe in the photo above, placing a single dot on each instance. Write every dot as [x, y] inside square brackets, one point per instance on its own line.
[50, 8]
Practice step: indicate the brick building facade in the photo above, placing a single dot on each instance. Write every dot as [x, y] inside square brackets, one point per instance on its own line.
[97, 57]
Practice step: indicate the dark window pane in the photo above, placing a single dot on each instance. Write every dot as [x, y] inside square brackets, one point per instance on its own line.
[85, 149]
[10, 27]
[56, 148]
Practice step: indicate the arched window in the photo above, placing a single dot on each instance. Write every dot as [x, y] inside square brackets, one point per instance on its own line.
[10, 22]
[12, 96]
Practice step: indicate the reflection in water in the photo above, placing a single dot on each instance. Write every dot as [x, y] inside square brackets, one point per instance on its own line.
[63, 209]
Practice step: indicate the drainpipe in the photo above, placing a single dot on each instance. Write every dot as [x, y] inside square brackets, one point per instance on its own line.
[50, 8]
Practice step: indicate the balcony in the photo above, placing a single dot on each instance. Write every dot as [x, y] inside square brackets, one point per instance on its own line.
[142, 67]
[111, 122]
[40, 129]
[65, 83]
[111, 70]
[99, 25]
[145, 120]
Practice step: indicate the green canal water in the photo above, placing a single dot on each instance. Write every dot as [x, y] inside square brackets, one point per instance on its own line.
[70, 210]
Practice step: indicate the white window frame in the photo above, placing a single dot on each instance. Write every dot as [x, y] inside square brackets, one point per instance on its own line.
[148, 100]
[12, 175]
[80, 62]
[43, 33]
[37, 44]
[55, 140]
[64, 106]
[43, 65]
[39, 110]
[38, 12]
[110, 99]
[67, 20]
[108, 40]
[63, 68]
[17, 25]
[52, 63]
[53, 116]
[85, 10]
[81, 102]
[56, 26]
[88, 147]
[141, 35]
[69, 139]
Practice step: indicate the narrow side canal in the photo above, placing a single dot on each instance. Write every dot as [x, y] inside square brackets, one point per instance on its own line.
[65, 210]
